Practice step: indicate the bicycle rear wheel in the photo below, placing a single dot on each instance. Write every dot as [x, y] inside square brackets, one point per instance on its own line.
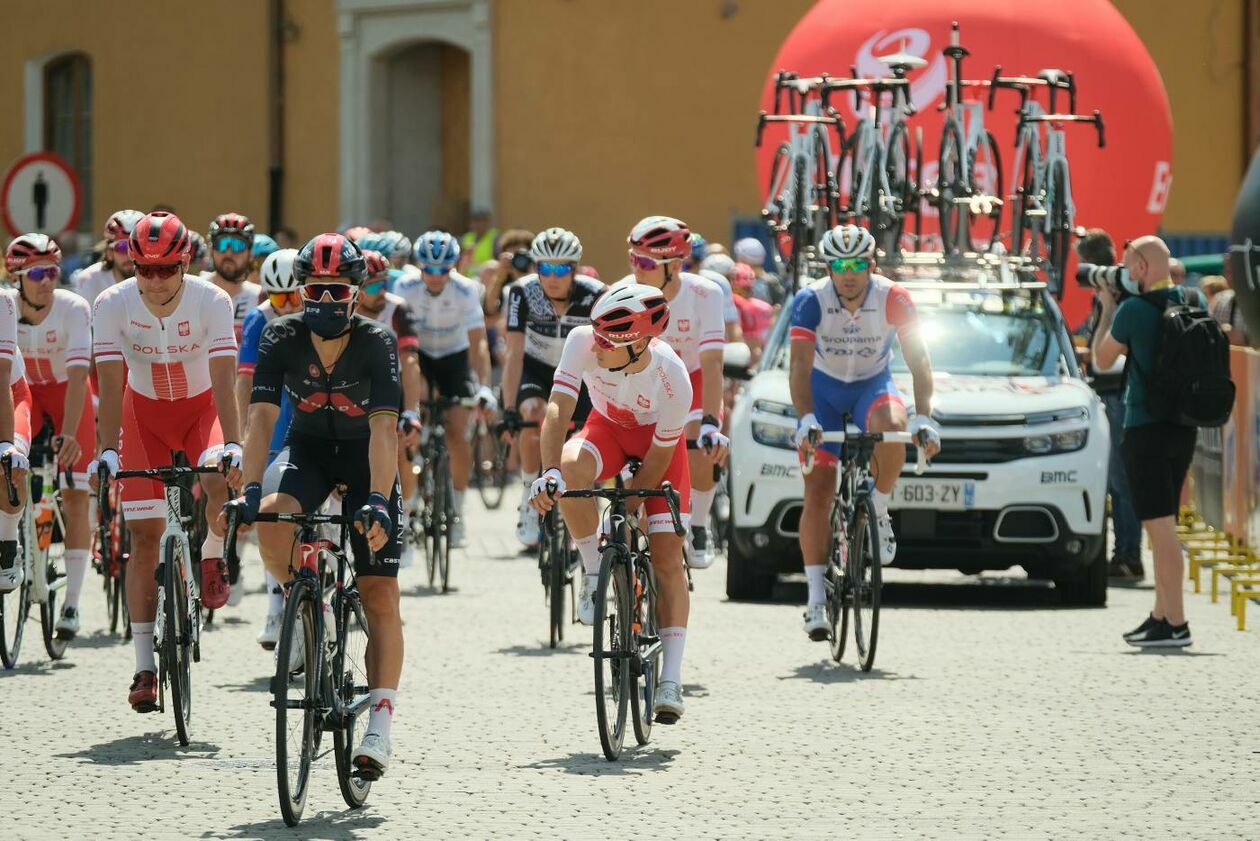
[866, 582]
[1026, 228]
[893, 211]
[349, 676]
[50, 563]
[610, 647]
[489, 467]
[647, 645]
[176, 664]
[446, 521]
[951, 184]
[422, 522]
[295, 697]
[14, 608]
[839, 591]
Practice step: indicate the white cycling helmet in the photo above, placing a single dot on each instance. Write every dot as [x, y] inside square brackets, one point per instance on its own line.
[750, 250]
[844, 242]
[556, 244]
[720, 263]
[277, 271]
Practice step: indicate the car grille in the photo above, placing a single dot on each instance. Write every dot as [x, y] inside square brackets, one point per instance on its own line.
[977, 451]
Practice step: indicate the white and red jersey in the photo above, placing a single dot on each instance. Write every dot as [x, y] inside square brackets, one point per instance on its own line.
[8, 339]
[244, 300]
[396, 315]
[659, 395]
[852, 346]
[696, 320]
[167, 358]
[62, 340]
[93, 280]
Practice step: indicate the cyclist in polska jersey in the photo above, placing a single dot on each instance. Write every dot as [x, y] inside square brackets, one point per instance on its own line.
[231, 240]
[15, 442]
[640, 395]
[340, 370]
[542, 309]
[454, 356]
[282, 298]
[842, 334]
[173, 331]
[658, 245]
[696, 265]
[115, 263]
[54, 333]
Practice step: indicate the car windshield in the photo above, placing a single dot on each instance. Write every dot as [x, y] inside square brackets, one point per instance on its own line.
[969, 332]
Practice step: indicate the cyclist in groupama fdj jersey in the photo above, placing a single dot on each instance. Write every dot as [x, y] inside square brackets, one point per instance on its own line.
[340, 370]
[640, 397]
[542, 309]
[843, 328]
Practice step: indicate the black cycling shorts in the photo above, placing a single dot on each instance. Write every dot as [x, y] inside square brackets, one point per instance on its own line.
[449, 375]
[536, 381]
[315, 467]
[1157, 457]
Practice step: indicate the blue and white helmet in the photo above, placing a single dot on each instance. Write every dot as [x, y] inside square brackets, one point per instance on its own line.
[437, 248]
[393, 245]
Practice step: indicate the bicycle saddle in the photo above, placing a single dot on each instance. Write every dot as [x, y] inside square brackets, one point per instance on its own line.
[1053, 75]
[909, 62]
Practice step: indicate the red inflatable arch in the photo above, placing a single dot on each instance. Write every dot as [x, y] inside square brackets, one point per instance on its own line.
[1122, 188]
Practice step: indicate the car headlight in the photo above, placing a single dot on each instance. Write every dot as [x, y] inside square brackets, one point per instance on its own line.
[1058, 442]
[773, 435]
[770, 407]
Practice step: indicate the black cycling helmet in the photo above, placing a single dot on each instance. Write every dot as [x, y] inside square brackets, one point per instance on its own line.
[331, 255]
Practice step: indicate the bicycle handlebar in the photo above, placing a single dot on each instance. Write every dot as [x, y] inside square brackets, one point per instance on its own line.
[763, 118]
[840, 437]
[165, 475]
[665, 491]
[1095, 118]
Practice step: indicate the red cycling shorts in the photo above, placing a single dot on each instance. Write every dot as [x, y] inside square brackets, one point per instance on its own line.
[613, 445]
[49, 400]
[152, 432]
[21, 393]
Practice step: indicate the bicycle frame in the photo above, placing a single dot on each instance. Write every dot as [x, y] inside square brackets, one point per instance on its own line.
[41, 477]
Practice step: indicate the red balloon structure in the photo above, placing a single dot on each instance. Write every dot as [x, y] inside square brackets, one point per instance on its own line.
[1122, 188]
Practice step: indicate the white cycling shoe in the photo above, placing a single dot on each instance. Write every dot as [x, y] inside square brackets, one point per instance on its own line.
[11, 578]
[699, 554]
[667, 707]
[68, 623]
[372, 758]
[457, 533]
[887, 540]
[817, 626]
[586, 599]
[270, 634]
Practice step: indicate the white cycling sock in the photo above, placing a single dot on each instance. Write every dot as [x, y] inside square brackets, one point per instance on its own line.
[701, 502]
[881, 502]
[275, 596]
[673, 640]
[9, 525]
[76, 568]
[588, 548]
[815, 576]
[212, 546]
[459, 504]
[142, 641]
[382, 707]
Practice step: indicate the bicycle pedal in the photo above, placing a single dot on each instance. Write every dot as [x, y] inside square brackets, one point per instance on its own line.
[366, 770]
[666, 718]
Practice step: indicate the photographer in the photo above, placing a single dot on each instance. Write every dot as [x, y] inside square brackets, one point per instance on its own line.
[1097, 249]
[1157, 454]
[514, 264]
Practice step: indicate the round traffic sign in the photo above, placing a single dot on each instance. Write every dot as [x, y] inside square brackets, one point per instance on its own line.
[40, 195]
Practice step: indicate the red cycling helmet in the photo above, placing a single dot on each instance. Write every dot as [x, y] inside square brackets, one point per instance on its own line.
[120, 224]
[628, 312]
[31, 250]
[376, 263]
[357, 232]
[232, 224]
[661, 237]
[330, 255]
[158, 239]
[743, 276]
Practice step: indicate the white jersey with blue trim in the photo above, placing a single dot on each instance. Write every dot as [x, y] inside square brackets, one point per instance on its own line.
[442, 321]
[852, 346]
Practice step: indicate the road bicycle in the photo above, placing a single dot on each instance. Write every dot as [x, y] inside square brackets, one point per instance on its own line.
[626, 645]
[969, 174]
[324, 616]
[433, 510]
[1043, 215]
[854, 578]
[490, 459]
[111, 548]
[558, 562]
[177, 621]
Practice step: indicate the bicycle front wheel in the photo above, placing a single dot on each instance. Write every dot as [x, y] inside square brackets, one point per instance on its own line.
[951, 185]
[349, 676]
[611, 647]
[446, 521]
[839, 589]
[14, 608]
[558, 580]
[50, 563]
[986, 177]
[489, 471]
[176, 663]
[295, 697]
[866, 582]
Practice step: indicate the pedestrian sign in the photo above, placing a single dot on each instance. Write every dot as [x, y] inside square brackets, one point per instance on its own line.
[40, 195]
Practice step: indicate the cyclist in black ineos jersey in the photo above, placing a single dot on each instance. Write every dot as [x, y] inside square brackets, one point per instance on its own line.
[341, 372]
[542, 309]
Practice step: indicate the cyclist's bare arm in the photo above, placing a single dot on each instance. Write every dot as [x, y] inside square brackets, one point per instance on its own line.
[109, 376]
[554, 427]
[244, 388]
[383, 451]
[6, 401]
[479, 354]
[801, 363]
[411, 386]
[711, 381]
[734, 333]
[223, 388]
[915, 351]
[512, 368]
[76, 392]
[262, 420]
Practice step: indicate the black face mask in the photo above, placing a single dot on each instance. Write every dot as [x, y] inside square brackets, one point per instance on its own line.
[327, 319]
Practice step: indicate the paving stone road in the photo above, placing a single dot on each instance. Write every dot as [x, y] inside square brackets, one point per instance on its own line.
[991, 713]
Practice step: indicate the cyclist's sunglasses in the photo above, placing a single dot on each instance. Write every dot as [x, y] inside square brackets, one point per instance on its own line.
[436, 271]
[159, 272]
[608, 344]
[235, 245]
[645, 263]
[40, 273]
[373, 288]
[336, 292]
[284, 299]
[851, 264]
[555, 269]
[120, 247]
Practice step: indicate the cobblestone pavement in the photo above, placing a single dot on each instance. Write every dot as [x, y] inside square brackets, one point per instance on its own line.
[991, 713]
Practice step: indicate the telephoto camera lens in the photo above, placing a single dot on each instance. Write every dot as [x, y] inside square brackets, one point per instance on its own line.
[1100, 277]
[521, 262]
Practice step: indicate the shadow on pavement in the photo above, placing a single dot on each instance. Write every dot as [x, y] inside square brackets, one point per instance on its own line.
[632, 761]
[828, 671]
[99, 639]
[543, 650]
[963, 593]
[39, 667]
[132, 750]
[331, 825]
[261, 683]
[1167, 652]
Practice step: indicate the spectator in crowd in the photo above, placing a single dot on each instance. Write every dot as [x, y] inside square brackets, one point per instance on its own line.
[477, 245]
[286, 237]
[1194, 296]
[756, 316]
[1212, 285]
[1126, 557]
[1157, 454]
[1225, 310]
[514, 264]
[767, 287]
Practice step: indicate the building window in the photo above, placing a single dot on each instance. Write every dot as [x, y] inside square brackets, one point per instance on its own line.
[68, 120]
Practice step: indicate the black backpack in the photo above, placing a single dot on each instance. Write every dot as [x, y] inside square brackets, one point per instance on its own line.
[1190, 383]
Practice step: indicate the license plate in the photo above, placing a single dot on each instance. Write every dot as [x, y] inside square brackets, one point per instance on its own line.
[943, 496]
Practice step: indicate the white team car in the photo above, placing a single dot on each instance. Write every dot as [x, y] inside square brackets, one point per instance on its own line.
[1021, 479]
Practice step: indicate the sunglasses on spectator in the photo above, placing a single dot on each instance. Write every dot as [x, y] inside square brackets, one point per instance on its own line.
[373, 288]
[234, 245]
[159, 272]
[646, 263]
[555, 269]
[851, 264]
[336, 292]
[436, 271]
[282, 300]
[40, 273]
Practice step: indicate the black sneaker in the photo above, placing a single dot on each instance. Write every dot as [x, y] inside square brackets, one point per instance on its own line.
[1163, 635]
[1122, 569]
[1147, 623]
